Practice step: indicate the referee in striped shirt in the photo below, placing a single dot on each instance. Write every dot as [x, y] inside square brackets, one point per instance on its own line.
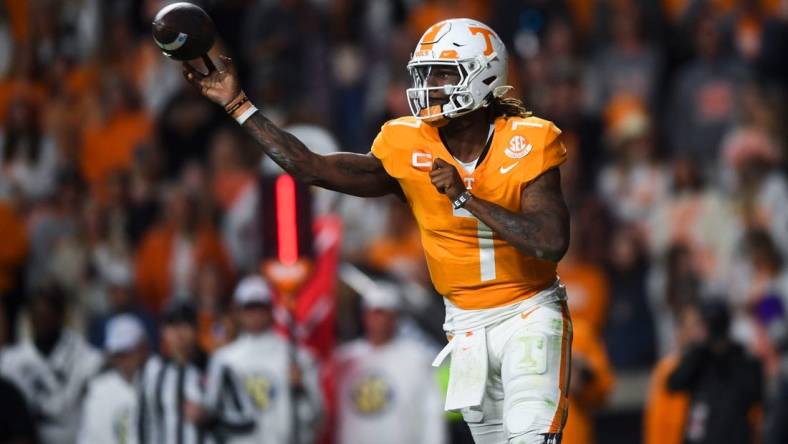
[172, 389]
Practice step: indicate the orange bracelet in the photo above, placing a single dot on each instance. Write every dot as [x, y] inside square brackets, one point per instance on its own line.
[236, 103]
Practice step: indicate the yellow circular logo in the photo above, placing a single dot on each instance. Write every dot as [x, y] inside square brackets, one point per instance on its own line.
[260, 390]
[371, 395]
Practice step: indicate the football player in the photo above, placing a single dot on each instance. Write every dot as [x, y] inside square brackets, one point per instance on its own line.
[481, 176]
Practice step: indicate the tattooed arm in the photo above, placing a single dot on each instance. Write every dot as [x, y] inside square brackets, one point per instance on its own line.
[540, 229]
[356, 174]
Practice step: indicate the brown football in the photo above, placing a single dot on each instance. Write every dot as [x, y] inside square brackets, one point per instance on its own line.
[183, 31]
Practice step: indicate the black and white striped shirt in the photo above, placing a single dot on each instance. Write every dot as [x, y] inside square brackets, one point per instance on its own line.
[165, 387]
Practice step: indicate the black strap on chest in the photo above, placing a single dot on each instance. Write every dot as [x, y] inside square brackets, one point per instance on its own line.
[486, 146]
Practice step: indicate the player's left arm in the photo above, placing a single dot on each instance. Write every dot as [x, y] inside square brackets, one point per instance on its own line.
[539, 229]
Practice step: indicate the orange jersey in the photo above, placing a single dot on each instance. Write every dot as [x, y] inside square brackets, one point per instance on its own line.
[665, 412]
[469, 264]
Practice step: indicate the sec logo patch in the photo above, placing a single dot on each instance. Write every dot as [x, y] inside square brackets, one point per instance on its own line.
[518, 147]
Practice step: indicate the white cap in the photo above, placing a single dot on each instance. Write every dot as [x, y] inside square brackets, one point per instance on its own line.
[252, 290]
[382, 296]
[124, 332]
[117, 274]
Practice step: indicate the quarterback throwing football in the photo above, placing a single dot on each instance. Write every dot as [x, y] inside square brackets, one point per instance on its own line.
[481, 176]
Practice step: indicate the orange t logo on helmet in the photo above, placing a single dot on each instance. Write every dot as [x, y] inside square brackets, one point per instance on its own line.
[430, 37]
[486, 33]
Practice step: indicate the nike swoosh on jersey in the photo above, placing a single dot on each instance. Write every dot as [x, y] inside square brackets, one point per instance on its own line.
[505, 170]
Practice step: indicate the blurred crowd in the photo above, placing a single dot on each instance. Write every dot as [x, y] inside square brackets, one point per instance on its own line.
[132, 216]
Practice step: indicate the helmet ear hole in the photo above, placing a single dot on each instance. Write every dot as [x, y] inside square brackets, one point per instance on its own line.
[488, 81]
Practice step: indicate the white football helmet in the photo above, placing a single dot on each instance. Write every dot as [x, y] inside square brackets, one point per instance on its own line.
[479, 56]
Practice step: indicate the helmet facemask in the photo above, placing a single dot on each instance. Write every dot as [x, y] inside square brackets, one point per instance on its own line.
[455, 100]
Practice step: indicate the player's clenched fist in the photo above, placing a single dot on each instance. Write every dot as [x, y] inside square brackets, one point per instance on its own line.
[446, 179]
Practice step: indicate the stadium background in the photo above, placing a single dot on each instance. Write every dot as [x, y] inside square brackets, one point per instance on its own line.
[673, 113]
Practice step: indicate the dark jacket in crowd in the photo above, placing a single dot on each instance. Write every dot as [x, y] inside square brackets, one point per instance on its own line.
[16, 422]
[724, 386]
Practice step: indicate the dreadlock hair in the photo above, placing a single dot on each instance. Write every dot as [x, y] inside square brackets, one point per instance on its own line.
[508, 107]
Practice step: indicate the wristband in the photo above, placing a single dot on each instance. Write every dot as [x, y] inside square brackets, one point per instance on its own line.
[246, 115]
[231, 109]
[240, 108]
[462, 199]
[238, 98]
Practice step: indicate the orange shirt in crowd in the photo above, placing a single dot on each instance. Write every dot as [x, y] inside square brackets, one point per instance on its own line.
[398, 249]
[386, 251]
[154, 258]
[19, 16]
[228, 186]
[214, 330]
[583, 13]
[665, 412]
[428, 13]
[82, 79]
[111, 146]
[587, 345]
[675, 9]
[587, 290]
[13, 247]
[13, 89]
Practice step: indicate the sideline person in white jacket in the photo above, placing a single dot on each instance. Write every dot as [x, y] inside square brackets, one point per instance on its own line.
[260, 360]
[387, 389]
[111, 411]
[52, 368]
